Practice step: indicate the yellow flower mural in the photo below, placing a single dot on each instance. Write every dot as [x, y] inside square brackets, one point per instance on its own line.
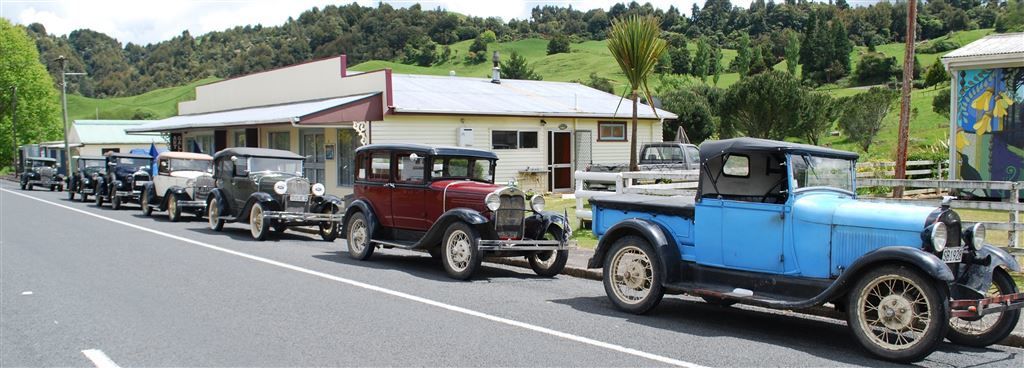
[983, 101]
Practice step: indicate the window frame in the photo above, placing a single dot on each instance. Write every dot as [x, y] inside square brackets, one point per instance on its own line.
[602, 124]
[370, 176]
[397, 175]
[519, 138]
[725, 163]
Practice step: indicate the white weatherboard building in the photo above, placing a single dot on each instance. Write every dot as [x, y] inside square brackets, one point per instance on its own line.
[542, 131]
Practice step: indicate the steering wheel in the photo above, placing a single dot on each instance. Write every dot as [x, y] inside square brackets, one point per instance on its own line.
[768, 194]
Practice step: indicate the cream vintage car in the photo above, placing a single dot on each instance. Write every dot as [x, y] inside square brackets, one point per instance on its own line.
[182, 182]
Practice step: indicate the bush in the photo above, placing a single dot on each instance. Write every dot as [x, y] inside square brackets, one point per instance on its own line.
[876, 68]
[937, 46]
[558, 45]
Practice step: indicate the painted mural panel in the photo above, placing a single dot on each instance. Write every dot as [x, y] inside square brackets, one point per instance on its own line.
[990, 125]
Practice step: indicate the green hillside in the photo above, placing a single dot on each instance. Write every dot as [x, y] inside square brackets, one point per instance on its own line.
[156, 104]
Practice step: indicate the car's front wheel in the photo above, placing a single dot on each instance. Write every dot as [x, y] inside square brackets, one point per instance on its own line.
[358, 237]
[329, 229]
[989, 329]
[898, 314]
[213, 215]
[71, 194]
[99, 198]
[115, 203]
[173, 210]
[632, 275]
[258, 226]
[552, 262]
[460, 254]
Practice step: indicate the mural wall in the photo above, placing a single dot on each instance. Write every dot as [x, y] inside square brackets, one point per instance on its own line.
[990, 125]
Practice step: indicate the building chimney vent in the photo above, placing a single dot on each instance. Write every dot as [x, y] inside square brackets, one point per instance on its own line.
[496, 71]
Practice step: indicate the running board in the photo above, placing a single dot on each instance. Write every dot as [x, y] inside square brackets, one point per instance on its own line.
[401, 245]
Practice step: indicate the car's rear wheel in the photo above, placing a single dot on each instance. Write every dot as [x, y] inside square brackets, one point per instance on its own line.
[99, 198]
[24, 186]
[71, 194]
[213, 215]
[53, 188]
[329, 229]
[144, 202]
[460, 254]
[632, 278]
[552, 262]
[115, 203]
[988, 329]
[358, 237]
[897, 314]
[31, 187]
[173, 210]
[258, 226]
[84, 197]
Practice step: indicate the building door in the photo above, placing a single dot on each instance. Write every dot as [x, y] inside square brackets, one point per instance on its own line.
[312, 146]
[348, 141]
[560, 161]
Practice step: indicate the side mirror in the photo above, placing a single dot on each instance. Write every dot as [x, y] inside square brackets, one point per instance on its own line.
[234, 158]
[415, 158]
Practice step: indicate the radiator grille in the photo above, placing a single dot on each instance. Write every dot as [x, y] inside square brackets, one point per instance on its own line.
[140, 177]
[203, 186]
[508, 219]
[296, 186]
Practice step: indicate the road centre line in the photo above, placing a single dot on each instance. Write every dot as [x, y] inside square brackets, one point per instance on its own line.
[99, 359]
[379, 289]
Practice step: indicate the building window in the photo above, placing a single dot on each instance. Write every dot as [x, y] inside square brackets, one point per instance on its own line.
[513, 139]
[611, 132]
[348, 141]
[280, 140]
[203, 142]
[239, 138]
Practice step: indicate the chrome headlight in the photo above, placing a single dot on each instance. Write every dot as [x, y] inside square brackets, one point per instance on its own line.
[86, 181]
[319, 190]
[280, 187]
[537, 203]
[493, 201]
[939, 236]
[977, 236]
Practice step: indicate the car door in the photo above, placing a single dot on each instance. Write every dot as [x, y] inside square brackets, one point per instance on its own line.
[377, 184]
[408, 197]
[242, 186]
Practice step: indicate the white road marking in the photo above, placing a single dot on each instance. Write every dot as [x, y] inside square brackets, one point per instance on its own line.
[26, 293]
[399, 294]
[99, 359]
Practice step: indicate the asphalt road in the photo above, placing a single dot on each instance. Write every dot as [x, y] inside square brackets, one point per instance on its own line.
[148, 292]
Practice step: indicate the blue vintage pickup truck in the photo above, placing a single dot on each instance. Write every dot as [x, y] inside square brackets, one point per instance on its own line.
[779, 225]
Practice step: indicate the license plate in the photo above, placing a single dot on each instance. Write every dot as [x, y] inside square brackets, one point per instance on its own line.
[953, 255]
[141, 183]
[87, 191]
[298, 197]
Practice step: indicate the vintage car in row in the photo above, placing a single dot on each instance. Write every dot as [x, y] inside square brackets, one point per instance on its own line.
[779, 225]
[126, 175]
[81, 181]
[41, 172]
[443, 200]
[265, 188]
[183, 181]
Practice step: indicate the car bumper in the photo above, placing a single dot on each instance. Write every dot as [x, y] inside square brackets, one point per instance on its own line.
[128, 193]
[192, 204]
[45, 183]
[524, 245]
[303, 216]
[86, 190]
[970, 308]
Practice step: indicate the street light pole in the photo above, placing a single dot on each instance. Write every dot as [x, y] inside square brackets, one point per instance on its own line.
[908, 83]
[14, 124]
[64, 106]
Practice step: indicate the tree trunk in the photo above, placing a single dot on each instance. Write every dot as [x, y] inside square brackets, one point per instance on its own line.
[632, 145]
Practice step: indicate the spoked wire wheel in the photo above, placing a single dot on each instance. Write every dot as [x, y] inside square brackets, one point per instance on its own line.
[632, 275]
[990, 328]
[458, 250]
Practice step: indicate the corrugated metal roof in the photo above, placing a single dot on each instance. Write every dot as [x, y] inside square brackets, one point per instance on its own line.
[109, 132]
[478, 96]
[998, 44]
[276, 114]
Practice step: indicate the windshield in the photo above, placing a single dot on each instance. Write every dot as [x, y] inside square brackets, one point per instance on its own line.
[289, 166]
[812, 171]
[472, 168]
[663, 153]
[191, 165]
[128, 165]
[38, 163]
[90, 163]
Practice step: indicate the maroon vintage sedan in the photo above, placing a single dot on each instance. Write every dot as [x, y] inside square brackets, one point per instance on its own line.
[443, 200]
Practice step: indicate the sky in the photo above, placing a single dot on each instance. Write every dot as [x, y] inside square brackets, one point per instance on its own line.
[151, 21]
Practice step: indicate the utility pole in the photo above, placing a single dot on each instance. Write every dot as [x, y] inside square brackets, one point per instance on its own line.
[908, 83]
[64, 106]
[14, 124]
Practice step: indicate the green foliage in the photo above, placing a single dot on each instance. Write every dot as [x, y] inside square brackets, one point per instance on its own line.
[702, 60]
[477, 51]
[940, 103]
[488, 37]
[38, 109]
[825, 53]
[680, 57]
[517, 68]
[421, 51]
[636, 46]
[936, 74]
[875, 68]
[599, 83]
[863, 114]
[766, 105]
[741, 64]
[1012, 19]
[696, 116]
[162, 103]
[937, 46]
[558, 45]
[792, 51]
[818, 113]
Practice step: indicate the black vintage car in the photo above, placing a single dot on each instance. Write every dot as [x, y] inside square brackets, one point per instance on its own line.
[265, 188]
[42, 172]
[126, 175]
[82, 180]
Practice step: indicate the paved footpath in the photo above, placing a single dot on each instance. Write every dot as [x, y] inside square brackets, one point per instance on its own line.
[87, 286]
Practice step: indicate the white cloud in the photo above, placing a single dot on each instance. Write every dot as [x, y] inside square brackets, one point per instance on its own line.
[150, 21]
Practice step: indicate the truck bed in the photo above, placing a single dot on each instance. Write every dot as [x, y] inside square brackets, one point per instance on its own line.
[675, 214]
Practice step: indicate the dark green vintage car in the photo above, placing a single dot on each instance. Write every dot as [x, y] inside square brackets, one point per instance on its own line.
[41, 172]
[265, 188]
[87, 169]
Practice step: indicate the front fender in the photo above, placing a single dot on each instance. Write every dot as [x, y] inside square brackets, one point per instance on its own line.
[665, 246]
[149, 192]
[360, 205]
[265, 199]
[327, 200]
[976, 275]
[538, 223]
[101, 185]
[467, 215]
[222, 206]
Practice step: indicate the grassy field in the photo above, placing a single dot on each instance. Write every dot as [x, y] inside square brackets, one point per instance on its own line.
[160, 103]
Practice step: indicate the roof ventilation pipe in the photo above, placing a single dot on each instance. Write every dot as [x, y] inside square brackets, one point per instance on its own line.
[496, 71]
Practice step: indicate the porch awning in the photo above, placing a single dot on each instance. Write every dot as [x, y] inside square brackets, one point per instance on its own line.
[319, 112]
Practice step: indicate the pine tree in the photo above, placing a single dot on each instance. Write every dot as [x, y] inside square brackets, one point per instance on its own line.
[792, 51]
[517, 68]
[841, 45]
[702, 59]
[715, 64]
[743, 57]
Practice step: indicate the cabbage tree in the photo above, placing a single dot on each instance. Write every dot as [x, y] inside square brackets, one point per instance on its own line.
[636, 45]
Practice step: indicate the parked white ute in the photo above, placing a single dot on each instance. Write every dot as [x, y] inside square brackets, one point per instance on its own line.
[182, 183]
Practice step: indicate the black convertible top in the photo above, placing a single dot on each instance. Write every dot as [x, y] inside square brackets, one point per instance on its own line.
[89, 157]
[431, 150]
[256, 152]
[127, 155]
[712, 149]
[47, 159]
